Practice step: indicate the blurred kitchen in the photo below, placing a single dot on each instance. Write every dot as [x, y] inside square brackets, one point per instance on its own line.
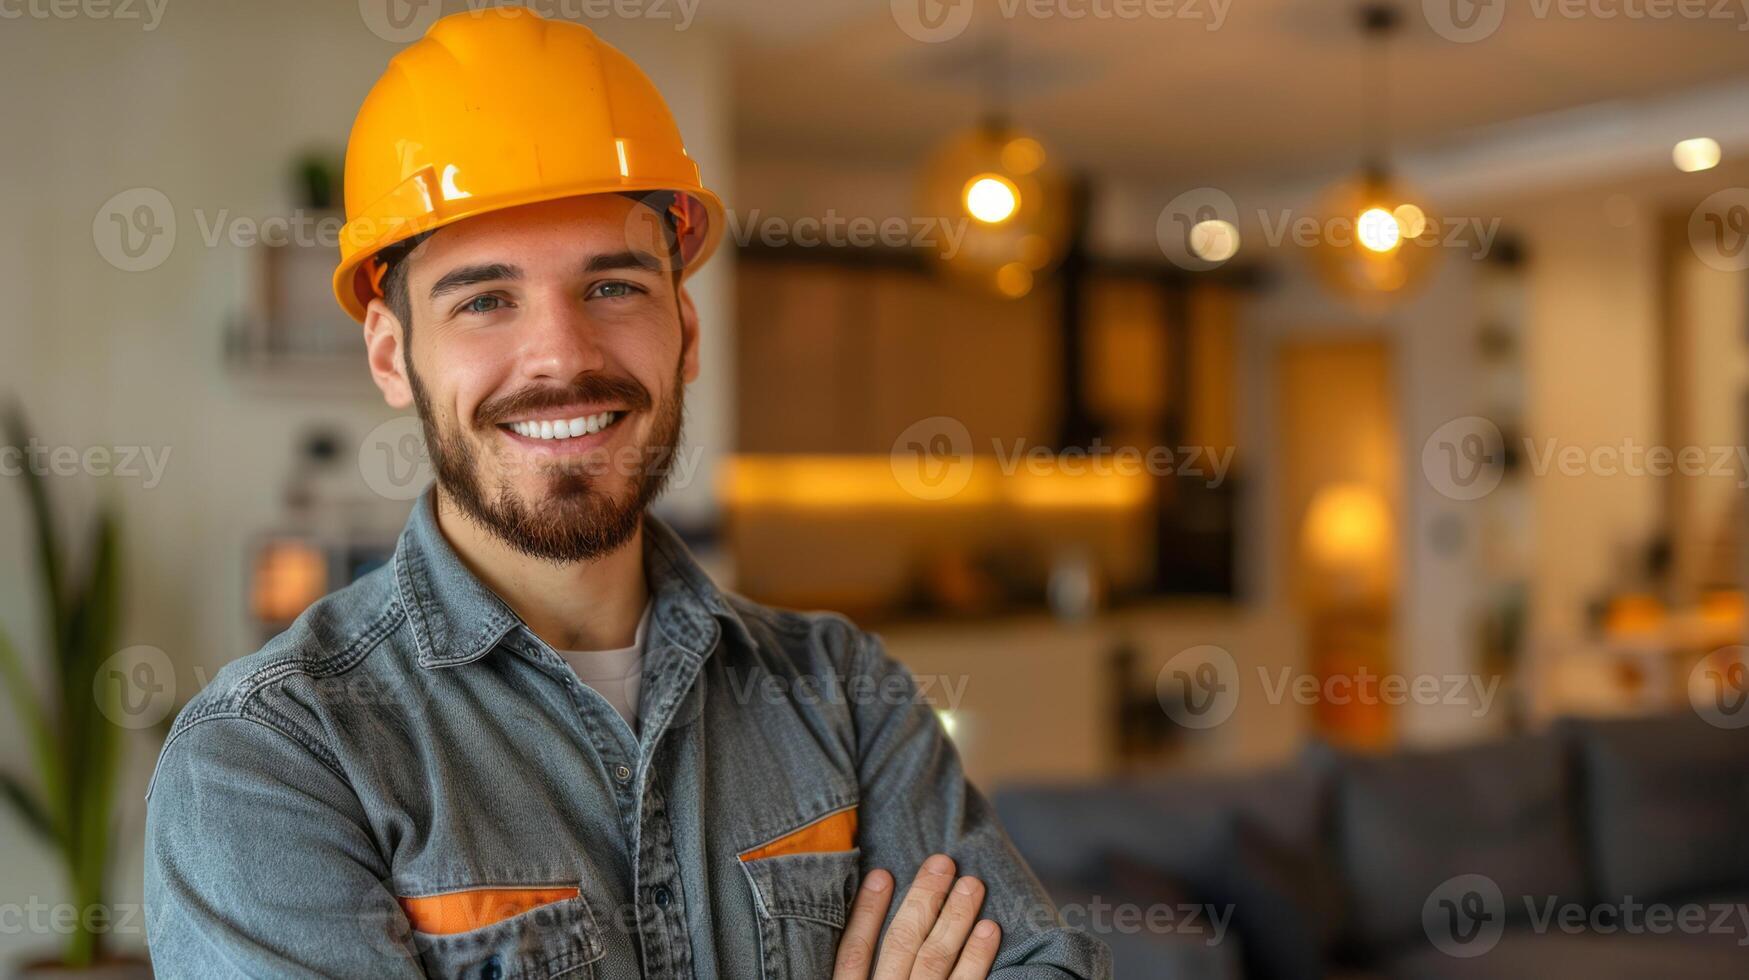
[1298, 445]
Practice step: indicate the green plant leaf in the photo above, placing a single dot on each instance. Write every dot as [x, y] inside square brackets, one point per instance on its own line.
[33, 813]
[91, 732]
[48, 550]
[44, 746]
[76, 741]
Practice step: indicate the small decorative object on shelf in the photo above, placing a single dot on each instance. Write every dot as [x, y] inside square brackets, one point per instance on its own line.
[287, 323]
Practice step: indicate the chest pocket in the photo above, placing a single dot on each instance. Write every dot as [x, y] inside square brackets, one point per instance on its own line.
[803, 885]
[528, 934]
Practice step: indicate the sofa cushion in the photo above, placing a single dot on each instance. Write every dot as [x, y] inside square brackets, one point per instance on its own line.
[1275, 897]
[1408, 823]
[1068, 830]
[1666, 802]
[1124, 907]
[1523, 953]
[1256, 841]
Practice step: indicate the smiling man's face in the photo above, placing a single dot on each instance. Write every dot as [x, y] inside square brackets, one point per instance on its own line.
[548, 355]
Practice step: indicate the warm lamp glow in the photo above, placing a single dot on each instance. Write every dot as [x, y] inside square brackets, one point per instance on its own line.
[859, 483]
[1695, 155]
[1410, 219]
[991, 199]
[1023, 155]
[993, 184]
[290, 575]
[1377, 230]
[1214, 240]
[1014, 280]
[1379, 244]
[1348, 529]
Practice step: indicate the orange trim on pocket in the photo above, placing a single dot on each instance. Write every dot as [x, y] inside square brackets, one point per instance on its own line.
[832, 832]
[452, 912]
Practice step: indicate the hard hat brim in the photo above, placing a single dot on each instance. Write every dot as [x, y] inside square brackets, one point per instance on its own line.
[353, 286]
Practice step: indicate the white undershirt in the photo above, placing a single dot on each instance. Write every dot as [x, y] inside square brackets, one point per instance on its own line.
[614, 674]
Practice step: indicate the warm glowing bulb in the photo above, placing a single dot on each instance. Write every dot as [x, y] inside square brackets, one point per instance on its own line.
[1693, 156]
[1023, 155]
[1214, 240]
[1378, 230]
[1014, 280]
[1411, 220]
[991, 199]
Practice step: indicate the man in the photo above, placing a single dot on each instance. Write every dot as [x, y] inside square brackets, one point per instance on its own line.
[541, 741]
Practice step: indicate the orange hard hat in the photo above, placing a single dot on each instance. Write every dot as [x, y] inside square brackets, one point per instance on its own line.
[501, 107]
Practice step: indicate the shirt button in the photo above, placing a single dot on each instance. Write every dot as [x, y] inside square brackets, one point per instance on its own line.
[492, 970]
[623, 772]
[662, 897]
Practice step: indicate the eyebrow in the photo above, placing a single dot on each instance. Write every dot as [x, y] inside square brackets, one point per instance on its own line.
[469, 274]
[628, 259]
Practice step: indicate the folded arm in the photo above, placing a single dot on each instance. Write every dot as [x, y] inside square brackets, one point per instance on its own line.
[259, 863]
[916, 802]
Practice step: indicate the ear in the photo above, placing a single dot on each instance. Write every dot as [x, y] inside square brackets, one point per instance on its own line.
[689, 339]
[387, 354]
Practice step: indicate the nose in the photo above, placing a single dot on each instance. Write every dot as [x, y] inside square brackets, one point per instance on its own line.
[557, 342]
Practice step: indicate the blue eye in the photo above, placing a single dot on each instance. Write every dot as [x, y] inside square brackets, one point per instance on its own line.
[616, 290]
[482, 304]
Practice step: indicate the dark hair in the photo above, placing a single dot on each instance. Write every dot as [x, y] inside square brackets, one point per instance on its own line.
[400, 302]
[394, 285]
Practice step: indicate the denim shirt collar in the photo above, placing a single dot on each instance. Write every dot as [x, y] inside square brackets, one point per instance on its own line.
[456, 619]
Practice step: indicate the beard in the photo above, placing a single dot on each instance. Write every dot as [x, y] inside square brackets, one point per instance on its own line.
[578, 519]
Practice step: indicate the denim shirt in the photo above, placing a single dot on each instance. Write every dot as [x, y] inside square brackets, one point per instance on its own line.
[408, 782]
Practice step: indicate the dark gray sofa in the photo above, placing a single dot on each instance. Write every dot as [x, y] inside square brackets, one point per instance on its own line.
[1598, 849]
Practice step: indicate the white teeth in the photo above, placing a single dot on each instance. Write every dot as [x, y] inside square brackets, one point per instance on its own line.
[565, 428]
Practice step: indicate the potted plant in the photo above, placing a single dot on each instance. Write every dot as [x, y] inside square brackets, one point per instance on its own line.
[74, 746]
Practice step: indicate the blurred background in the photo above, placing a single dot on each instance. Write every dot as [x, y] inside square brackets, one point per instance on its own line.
[1300, 447]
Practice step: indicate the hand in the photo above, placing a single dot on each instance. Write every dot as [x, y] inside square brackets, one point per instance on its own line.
[932, 937]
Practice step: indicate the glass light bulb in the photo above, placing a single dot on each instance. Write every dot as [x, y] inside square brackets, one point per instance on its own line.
[1378, 231]
[1214, 240]
[991, 199]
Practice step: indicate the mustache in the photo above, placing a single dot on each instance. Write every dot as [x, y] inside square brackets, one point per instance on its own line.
[588, 388]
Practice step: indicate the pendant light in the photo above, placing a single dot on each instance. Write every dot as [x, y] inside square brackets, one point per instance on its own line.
[1377, 243]
[996, 183]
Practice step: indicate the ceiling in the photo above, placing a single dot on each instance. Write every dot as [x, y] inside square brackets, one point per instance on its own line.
[1274, 92]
